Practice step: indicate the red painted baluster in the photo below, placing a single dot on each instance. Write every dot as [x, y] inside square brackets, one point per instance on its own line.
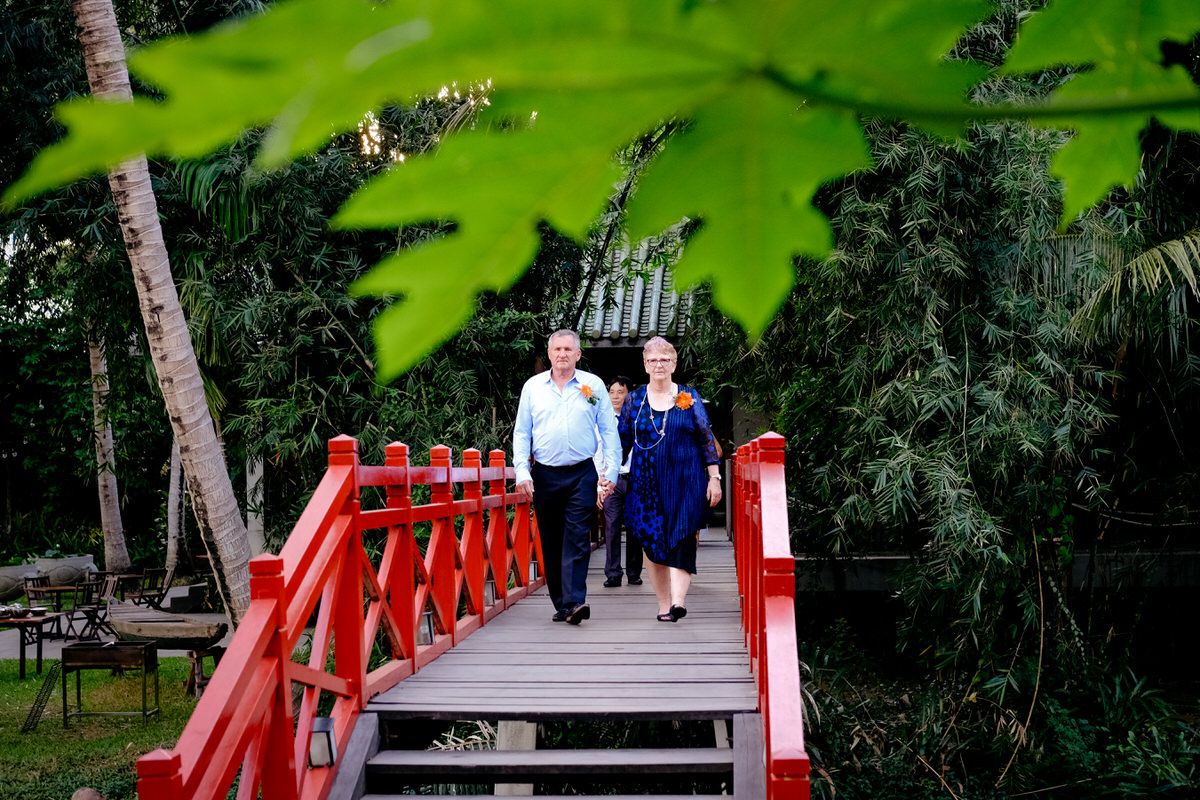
[441, 555]
[279, 769]
[350, 650]
[499, 541]
[401, 582]
[742, 536]
[754, 566]
[472, 547]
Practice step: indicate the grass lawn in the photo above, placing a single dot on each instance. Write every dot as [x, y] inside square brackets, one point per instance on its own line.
[51, 762]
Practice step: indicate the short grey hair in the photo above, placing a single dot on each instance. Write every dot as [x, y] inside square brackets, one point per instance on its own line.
[563, 332]
[659, 345]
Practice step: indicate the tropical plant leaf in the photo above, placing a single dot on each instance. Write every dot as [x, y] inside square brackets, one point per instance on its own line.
[1138, 279]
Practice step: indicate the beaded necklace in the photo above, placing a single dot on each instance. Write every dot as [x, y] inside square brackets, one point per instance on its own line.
[661, 431]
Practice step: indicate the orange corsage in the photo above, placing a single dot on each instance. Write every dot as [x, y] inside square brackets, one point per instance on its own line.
[683, 400]
[586, 391]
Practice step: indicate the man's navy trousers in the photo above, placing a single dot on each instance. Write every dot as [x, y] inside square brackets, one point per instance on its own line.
[564, 499]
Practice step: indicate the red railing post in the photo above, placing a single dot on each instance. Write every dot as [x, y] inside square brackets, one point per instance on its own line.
[473, 547]
[160, 776]
[279, 771]
[499, 541]
[441, 554]
[401, 572]
[349, 651]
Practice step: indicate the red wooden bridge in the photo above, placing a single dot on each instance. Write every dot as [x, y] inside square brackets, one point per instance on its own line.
[406, 581]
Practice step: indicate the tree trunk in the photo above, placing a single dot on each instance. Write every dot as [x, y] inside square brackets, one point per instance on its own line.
[176, 530]
[116, 554]
[255, 528]
[213, 500]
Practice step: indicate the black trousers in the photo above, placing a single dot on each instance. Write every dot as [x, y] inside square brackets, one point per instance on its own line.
[614, 518]
[564, 499]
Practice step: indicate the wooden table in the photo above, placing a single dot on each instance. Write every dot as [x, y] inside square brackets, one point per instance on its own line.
[32, 630]
[113, 656]
[57, 592]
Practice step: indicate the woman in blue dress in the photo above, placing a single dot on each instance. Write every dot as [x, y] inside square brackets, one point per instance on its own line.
[674, 475]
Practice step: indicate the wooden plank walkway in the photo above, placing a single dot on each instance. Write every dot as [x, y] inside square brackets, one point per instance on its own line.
[622, 663]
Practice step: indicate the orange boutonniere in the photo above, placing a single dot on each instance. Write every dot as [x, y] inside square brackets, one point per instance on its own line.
[683, 400]
[586, 391]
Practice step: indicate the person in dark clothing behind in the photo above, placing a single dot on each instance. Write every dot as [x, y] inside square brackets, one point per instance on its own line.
[613, 508]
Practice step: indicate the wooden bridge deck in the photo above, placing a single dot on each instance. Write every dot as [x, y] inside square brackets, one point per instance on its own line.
[621, 663]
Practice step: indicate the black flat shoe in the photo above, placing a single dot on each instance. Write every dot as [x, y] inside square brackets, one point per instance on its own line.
[579, 614]
[667, 617]
[678, 612]
[635, 581]
[613, 582]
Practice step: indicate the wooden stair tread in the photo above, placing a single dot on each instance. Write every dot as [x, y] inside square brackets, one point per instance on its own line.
[533, 763]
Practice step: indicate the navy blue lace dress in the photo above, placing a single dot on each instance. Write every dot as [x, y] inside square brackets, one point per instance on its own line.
[666, 503]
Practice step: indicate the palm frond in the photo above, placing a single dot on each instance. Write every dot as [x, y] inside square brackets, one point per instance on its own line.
[1129, 292]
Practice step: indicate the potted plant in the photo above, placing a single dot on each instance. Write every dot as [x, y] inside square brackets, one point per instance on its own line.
[64, 570]
[12, 578]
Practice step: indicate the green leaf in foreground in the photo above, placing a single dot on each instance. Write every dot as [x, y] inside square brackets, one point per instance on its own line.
[1119, 43]
[748, 169]
[550, 172]
[770, 93]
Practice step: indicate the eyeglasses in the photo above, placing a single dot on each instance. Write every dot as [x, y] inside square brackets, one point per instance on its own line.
[654, 362]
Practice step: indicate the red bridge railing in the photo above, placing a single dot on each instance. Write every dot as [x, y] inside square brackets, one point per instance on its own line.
[247, 724]
[767, 585]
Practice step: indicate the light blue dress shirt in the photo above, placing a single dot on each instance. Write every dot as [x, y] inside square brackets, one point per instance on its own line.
[560, 428]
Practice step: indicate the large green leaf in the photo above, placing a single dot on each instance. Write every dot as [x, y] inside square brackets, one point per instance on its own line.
[1120, 44]
[740, 170]
[770, 91]
[886, 56]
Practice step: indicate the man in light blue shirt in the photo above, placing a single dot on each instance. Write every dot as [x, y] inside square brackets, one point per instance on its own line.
[563, 415]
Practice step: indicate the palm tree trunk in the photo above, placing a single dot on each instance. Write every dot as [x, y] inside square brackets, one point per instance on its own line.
[116, 554]
[175, 510]
[213, 500]
[255, 523]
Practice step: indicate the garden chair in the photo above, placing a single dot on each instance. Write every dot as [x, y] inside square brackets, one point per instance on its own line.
[35, 590]
[36, 595]
[91, 600]
[155, 583]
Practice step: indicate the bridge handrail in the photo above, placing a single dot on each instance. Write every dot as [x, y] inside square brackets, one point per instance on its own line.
[767, 585]
[245, 726]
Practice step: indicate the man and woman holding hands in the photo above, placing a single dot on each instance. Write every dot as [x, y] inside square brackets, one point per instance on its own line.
[563, 416]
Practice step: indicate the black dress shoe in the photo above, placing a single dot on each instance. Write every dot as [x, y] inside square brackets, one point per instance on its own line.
[579, 614]
[635, 581]
[611, 582]
[559, 616]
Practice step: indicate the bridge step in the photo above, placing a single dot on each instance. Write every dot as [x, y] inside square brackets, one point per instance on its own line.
[524, 766]
[382, 774]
